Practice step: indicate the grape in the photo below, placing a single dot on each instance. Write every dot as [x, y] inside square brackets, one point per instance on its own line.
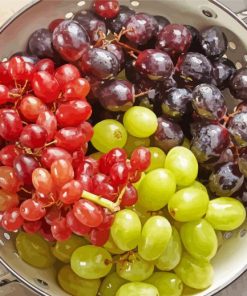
[32, 210]
[91, 262]
[242, 161]
[106, 8]
[167, 283]
[40, 44]
[8, 200]
[34, 250]
[132, 267]
[119, 53]
[75, 285]
[71, 192]
[8, 154]
[70, 138]
[61, 172]
[45, 65]
[157, 159]
[32, 226]
[238, 85]
[111, 247]
[194, 273]
[223, 70]
[111, 283]
[199, 239]
[66, 73]
[194, 68]
[140, 159]
[154, 64]
[126, 230]
[47, 120]
[210, 141]
[195, 45]
[137, 289]
[76, 89]
[130, 196]
[70, 40]
[51, 154]
[213, 42]
[208, 102]
[91, 23]
[5, 76]
[155, 236]
[20, 70]
[188, 204]
[226, 179]
[174, 39]
[109, 134]
[199, 185]
[33, 136]
[168, 134]
[60, 229]
[8, 179]
[162, 22]
[100, 63]
[140, 122]
[10, 125]
[75, 225]
[31, 107]
[117, 95]
[63, 250]
[237, 127]
[132, 143]
[183, 164]
[225, 213]
[24, 165]
[12, 219]
[175, 102]
[156, 188]
[120, 20]
[171, 256]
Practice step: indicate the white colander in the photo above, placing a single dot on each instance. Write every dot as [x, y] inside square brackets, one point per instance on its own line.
[231, 259]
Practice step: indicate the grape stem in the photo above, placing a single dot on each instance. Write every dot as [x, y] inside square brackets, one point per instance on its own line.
[112, 206]
[142, 93]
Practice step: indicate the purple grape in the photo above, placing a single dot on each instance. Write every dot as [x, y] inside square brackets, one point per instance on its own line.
[118, 51]
[162, 22]
[91, 23]
[226, 179]
[154, 64]
[167, 84]
[237, 127]
[222, 72]
[40, 44]
[195, 43]
[100, 63]
[238, 84]
[242, 107]
[194, 68]
[70, 40]
[116, 24]
[242, 161]
[209, 141]
[168, 134]
[175, 102]
[117, 95]
[208, 102]
[213, 42]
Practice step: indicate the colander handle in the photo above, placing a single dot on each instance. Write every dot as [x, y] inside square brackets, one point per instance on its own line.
[239, 7]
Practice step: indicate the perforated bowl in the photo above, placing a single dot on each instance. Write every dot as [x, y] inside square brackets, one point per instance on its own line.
[231, 259]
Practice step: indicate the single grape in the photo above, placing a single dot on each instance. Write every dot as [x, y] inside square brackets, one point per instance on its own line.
[198, 185]
[51, 154]
[111, 247]
[162, 184]
[126, 230]
[71, 192]
[4, 94]
[33, 136]
[75, 285]
[119, 173]
[183, 164]
[116, 24]
[75, 225]
[225, 213]
[53, 24]
[162, 22]
[188, 204]
[32, 226]
[5, 76]
[213, 42]
[167, 283]
[168, 134]
[238, 84]
[32, 210]
[140, 159]
[11, 219]
[194, 273]
[24, 165]
[8, 200]
[155, 236]
[171, 256]
[106, 8]
[31, 107]
[61, 172]
[223, 70]
[137, 289]
[91, 262]
[195, 45]
[111, 283]
[76, 89]
[66, 73]
[119, 53]
[20, 70]
[70, 40]
[109, 134]
[10, 125]
[9, 182]
[60, 229]
[132, 143]
[8, 154]
[45, 65]
[47, 120]
[237, 126]
[34, 250]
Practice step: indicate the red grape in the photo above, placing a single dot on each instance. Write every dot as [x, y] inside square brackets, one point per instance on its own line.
[66, 73]
[62, 172]
[8, 200]
[46, 65]
[70, 138]
[5, 77]
[87, 130]
[71, 192]
[51, 154]
[78, 158]
[12, 219]
[8, 154]
[86, 182]
[98, 237]
[53, 24]
[8, 179]
[32, 226]
[94, 163]
[119, 173]
[24, 165]
[10, 125]
[48, 121]
[76, 227]
[32, 210]
[99, 178]
[116, 155]
[33, 136]
[107, 220]
[19, 69]
[106, 190]
[106, 8]
[4, 94]
[86, 168]
[76, 89]
[140, 159]
[42, 181]
[31, 107]
[45, 231]
[130, 196]
[60, 230]
[53, 214]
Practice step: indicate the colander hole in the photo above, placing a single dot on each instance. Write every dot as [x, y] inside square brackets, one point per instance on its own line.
[227, 235]
[69, 15]
[135, 3]
[41, 283]
[242, 232]
[232, 45]
[6, 235]
[238, 65]
[81, 3]
[208, 12]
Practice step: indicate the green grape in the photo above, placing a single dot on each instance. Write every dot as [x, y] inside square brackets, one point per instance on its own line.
[133, 268]
[137, 184]
[195, 273]
[96, 155]
[34, 250]
[199, 239]
[158, 158]
[155, 236]
[109, 134]
[167, 283]
[197, 185]
[75, 285]
[91, 262]
[188, 204]
[140, 122]
[126, 230]
[111, 283]
[182, 162]
[134, 142]
[225, 213]
[111, 247]
[186, 143]
[156, 189]
[137, 289]
[63, 250]
[143, 214]
[171, 256]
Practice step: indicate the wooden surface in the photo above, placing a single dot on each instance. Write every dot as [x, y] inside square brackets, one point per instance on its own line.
[238, 288]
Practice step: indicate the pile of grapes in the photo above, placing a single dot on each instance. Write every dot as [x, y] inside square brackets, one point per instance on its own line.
[119, 156]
